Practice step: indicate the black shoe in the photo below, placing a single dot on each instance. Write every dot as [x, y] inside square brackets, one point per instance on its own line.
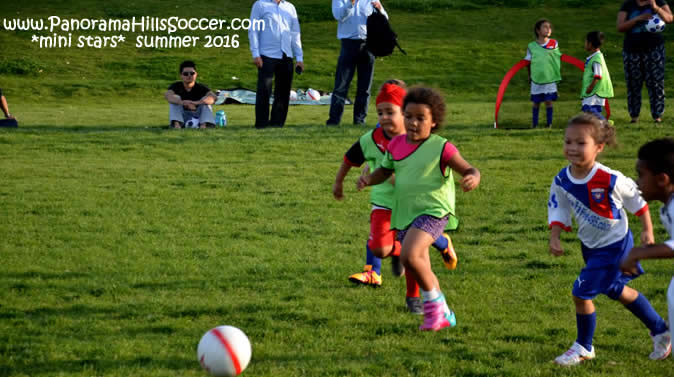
[260, 127]
[275, 126]
[397, 267]
[330, 124]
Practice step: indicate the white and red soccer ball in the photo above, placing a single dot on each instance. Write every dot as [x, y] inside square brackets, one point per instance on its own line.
[224, 351]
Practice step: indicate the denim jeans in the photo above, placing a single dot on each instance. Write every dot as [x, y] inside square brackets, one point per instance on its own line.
[352, 57]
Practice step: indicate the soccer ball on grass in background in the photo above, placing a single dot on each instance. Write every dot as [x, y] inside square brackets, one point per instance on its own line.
[224, 351]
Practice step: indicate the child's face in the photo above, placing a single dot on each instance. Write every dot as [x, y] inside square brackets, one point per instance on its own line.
[588, 46]
[391, 118]
[580, 148]
[545, 30]
[418, 122]
[647, 182]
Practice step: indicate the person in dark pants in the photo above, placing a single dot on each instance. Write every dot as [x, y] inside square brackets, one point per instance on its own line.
[643, 55]
[273, 48]
[351, 16]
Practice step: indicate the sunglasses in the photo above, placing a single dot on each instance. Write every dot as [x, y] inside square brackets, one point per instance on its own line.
[189, 73]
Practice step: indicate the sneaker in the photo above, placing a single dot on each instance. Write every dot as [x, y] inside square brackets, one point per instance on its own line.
[575, 355]
[435, 317]
[449, 255]
[367, 277]
[397, 268]
[662, 346]
[414, 305]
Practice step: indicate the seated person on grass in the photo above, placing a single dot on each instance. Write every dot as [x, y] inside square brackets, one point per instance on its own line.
[189, 99]
[5, 108]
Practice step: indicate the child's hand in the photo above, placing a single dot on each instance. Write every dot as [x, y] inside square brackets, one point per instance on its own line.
[629, 265]
[469, 182]
[338, 191]
[363, 181]
[556, 247]
[647, 237]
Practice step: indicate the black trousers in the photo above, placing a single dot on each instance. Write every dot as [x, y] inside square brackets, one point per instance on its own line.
[281, 71]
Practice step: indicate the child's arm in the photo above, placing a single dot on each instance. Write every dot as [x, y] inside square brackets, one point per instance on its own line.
[647, 237]
[470, 175]
[555, 243]
[660, 251]
[591, 87]
[378, 176]
[337, 188]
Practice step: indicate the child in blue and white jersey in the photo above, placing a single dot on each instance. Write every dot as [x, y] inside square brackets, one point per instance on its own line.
[597, 198]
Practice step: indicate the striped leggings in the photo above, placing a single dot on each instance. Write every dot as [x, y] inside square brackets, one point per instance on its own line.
[648, 67]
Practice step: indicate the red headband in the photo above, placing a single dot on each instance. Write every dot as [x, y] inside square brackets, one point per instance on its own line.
[391, 93]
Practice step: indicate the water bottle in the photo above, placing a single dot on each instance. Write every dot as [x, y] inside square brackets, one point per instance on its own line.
[220, 118]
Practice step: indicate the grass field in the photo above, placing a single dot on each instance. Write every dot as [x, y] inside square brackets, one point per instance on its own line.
[122, 242]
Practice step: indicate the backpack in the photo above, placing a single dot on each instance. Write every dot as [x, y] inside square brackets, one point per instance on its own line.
[381, 39]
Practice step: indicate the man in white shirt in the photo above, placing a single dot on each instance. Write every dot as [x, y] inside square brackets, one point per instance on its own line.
[273, 47]
[351, 16]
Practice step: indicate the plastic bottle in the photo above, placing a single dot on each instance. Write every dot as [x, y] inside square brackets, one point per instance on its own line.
[220, 118]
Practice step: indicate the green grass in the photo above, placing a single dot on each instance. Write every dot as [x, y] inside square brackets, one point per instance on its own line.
[122, 242]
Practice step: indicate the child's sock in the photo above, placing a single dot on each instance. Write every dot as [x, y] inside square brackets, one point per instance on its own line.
[643, 310]
[534, 116]
[586, 323]
[412, 286]
[431, 295]
[548, 115]
[373, 260]
[441, 243]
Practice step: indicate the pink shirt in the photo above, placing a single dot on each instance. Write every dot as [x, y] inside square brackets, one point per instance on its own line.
[399, 148]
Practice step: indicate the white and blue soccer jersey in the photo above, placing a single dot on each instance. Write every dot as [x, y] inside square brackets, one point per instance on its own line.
[597, 202]
[667, 218]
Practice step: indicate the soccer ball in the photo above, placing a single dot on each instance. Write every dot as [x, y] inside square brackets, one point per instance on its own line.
[192, 123]
[655, 24]
[224, 351]
[313, 94]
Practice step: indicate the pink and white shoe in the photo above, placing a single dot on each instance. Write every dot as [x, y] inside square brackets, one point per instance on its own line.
[435, 317]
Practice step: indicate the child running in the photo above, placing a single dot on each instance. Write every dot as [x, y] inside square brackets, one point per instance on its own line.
[597, 84]
[544, 70]
[597, 197]
[423, 193]
[382, 242]
[656, 182]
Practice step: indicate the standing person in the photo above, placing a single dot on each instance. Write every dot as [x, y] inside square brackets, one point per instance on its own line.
[643, 55]
[597, 86]
[656, 182]
[597, 197]
[273, 48]
[382, 243]
[351, 16]
[423, 163]
[189, 99]
[544, 70]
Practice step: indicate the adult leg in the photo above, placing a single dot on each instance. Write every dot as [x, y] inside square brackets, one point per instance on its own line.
[634, 78]
[282, 84]
[365, 69]
[264, 82]
[654, 62]
[205, 114]
[176, 118]
[346, 66]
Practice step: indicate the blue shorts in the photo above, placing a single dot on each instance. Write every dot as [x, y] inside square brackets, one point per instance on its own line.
[542, 97]
[594, 109]
[602, 274]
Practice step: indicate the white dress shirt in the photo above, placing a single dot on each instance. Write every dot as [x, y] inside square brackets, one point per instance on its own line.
[352, 19]
[281, 32]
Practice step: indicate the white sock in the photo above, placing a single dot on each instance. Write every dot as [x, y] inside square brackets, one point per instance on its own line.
[430, 295]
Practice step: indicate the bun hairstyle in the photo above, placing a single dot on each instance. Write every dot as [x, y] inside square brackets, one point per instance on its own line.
[602, 132]
[431, 98]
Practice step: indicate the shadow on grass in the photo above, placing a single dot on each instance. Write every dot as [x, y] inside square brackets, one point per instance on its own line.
[101, 366]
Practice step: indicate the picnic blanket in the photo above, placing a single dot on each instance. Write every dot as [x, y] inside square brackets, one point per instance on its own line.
[247, 96]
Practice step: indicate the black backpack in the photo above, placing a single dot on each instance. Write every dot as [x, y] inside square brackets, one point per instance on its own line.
[381, 39]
